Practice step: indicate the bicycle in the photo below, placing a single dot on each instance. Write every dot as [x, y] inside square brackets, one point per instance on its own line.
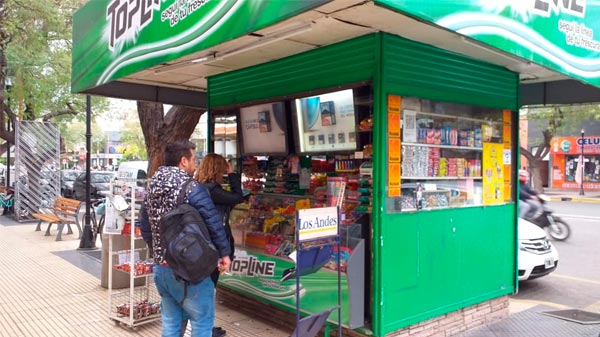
[97, 209]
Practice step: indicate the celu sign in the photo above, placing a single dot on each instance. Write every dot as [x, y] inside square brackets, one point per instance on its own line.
[588, 141]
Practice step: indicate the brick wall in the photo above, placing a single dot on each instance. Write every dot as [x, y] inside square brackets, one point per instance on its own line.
[443, 326]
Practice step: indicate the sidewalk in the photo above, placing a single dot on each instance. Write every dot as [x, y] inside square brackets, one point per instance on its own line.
[556, 194]
[49, 288]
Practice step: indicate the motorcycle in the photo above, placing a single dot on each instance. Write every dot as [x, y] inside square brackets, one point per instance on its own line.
[556, 227]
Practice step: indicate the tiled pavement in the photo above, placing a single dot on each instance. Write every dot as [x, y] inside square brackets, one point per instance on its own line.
[50, 288]
[45, 290]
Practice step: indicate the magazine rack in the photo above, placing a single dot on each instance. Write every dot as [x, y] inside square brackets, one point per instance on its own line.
[317, 233]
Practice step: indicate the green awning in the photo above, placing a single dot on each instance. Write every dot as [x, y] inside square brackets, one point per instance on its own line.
[560, 35]
[116, 38]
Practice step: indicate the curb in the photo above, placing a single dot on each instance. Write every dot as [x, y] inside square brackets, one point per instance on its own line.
[574, 199]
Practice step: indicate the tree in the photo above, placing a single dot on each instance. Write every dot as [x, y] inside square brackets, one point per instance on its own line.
[552, 121]
[35, 54]
[160, 129]
[134, 147]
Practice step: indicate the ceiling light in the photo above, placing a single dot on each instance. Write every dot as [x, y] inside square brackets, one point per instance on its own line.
[492, 50]
[260, 42]
[184, 64]
[266, 40]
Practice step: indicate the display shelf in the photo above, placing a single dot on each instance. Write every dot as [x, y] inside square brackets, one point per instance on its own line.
[138, 291]
[127, 250]
[136, 304]
[444, 146]
[462, 118]
[438, 178]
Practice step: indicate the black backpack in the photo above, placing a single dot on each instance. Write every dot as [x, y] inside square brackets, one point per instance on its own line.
[186, 242]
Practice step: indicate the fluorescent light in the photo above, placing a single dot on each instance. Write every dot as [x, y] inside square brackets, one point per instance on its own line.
[260, 42]
[185, 64]
[492, 50]
[266, 40]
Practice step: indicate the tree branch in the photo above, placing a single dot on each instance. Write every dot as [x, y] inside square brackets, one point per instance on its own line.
[51, 115]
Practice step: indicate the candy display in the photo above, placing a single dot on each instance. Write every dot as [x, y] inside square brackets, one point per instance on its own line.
[430, 162]
[140, 268]
[140, 309]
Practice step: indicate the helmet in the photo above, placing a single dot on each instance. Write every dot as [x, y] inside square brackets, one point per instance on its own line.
[523, 175]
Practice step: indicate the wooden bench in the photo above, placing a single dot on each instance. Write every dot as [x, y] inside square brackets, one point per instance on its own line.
[64, 212]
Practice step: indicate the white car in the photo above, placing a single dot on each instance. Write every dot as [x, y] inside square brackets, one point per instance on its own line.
[537, 256]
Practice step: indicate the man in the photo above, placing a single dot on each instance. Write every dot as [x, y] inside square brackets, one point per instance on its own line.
[163, 189]
[528, 198]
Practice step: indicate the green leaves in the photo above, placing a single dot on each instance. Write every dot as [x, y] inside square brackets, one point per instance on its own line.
[38, 55]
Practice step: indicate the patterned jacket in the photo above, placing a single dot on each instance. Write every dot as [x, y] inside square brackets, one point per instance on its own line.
[161, 197]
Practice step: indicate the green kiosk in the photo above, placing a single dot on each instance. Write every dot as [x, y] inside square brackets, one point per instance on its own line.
[402, 113]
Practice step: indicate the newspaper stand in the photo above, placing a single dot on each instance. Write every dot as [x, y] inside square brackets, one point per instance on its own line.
[317, 232]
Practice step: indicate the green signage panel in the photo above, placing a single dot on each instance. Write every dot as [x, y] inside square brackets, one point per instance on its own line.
[116, 38]
[562, 35]
[267, 278]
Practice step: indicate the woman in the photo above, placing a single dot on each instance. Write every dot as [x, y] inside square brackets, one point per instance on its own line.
[210, 173]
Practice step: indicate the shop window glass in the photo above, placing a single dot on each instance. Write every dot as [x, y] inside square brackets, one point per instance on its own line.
[452, 155]
[591, 168]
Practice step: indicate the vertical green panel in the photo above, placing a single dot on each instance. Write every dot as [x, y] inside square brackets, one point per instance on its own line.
[439, 261]
[339, 64]
[415, 69]
[436, 261]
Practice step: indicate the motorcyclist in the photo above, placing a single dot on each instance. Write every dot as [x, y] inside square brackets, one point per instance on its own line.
[529, 200]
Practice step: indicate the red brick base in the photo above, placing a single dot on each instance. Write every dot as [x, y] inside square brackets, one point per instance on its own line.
[442, 326]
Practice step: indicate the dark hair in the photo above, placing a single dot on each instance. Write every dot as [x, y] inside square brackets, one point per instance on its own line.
[175, 151]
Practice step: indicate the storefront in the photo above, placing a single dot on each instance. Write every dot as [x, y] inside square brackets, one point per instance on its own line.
[566, 158]
[416, 121]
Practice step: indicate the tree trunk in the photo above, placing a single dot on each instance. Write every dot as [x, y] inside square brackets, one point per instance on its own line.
[160, 129]
[535, 170]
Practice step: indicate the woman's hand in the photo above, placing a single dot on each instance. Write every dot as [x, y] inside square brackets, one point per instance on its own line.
[229, 168]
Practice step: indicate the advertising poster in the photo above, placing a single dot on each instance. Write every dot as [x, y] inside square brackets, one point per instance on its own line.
[493, 173]
[326, 122]
[560, 35]
[409, 130]
[262, 276]
[263, 129]
[116, 38]
[318, 222]
[506, 119]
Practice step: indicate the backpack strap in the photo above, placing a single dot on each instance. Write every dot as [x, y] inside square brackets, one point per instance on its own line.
[180, 199]
[182, 192]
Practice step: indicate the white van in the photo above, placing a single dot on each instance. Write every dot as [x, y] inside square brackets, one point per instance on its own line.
[132, 170]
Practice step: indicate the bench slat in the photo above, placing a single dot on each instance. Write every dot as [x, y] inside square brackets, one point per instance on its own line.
[64, 212]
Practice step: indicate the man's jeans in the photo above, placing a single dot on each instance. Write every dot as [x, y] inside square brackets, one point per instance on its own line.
[198, 306]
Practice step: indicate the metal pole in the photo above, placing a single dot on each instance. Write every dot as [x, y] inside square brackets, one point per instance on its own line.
[87, 237]
[7, 171]
[8, 159]
[582, 163]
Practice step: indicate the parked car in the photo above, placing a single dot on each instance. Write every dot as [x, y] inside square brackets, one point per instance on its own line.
[132, 170]
[99, 184]
[67, 179]
[537, 256]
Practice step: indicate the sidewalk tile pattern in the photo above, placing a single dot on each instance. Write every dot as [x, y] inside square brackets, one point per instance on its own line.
[43, 294]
